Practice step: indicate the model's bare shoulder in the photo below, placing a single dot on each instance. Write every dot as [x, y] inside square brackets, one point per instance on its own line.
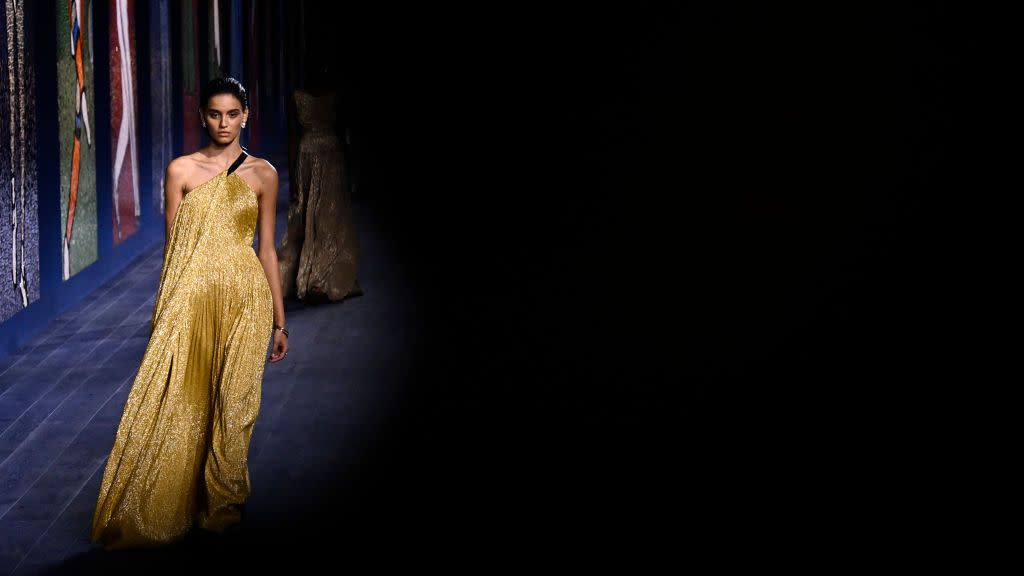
[178, 173]
[265, 172]
[260, 164]
[180, 167]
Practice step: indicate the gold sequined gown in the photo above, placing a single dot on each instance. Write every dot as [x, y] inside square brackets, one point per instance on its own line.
[179, 457]
[319, 251]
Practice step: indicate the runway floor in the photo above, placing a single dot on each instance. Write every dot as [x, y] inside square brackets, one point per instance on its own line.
[61, 397]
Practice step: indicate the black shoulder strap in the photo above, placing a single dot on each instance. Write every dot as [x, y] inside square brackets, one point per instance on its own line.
[237, 162]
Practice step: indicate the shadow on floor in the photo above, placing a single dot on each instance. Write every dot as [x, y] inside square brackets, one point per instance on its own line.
[199, 553]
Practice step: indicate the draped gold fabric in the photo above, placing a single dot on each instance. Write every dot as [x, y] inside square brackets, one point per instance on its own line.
[319, 251]
[180, 455]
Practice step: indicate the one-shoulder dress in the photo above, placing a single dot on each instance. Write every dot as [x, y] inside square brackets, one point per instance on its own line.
[179, 458]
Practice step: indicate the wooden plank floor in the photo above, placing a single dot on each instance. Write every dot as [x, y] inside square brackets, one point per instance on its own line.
[61, 397]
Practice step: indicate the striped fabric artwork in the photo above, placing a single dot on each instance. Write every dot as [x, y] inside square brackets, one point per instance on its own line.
[74, 40]
[123, 111]
[190, 128]
[161, 104]
[19, 222]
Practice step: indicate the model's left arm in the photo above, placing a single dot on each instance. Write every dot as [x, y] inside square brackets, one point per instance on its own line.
[268, 254]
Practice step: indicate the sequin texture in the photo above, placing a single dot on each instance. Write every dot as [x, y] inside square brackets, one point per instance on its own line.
[319, 251]
[180, 454]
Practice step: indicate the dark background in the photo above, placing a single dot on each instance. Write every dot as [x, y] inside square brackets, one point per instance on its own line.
[684, 277]
[676, 266]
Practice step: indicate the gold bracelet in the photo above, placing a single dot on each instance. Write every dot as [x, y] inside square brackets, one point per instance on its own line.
[281, 328]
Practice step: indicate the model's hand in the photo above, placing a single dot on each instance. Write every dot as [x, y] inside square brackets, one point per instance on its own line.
[280, 349]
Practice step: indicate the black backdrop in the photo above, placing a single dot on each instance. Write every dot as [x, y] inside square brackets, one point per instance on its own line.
[684, 276]
[675, 267]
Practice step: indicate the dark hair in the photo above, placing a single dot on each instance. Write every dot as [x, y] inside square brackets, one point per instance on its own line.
[225, 86]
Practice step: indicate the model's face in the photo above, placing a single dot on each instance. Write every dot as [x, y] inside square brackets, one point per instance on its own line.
[224, 118]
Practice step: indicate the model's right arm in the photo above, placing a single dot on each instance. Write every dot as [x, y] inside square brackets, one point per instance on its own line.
[174, 191]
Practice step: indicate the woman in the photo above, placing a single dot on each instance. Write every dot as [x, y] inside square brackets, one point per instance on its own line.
[319, 251]
[179, 457]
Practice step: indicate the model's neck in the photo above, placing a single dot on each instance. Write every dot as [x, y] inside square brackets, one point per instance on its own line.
[231, 151]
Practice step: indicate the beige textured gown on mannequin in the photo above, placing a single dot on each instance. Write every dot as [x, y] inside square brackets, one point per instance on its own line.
[319, 253]
[180, 455]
